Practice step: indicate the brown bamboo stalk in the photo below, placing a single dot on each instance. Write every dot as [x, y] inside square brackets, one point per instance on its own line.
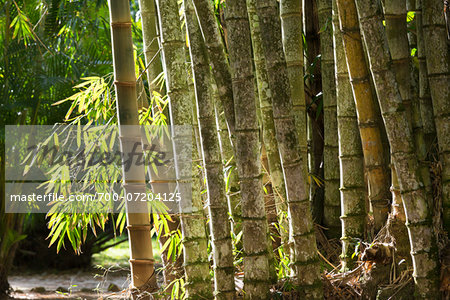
[351, 158]
[438, 68]
[426, 105]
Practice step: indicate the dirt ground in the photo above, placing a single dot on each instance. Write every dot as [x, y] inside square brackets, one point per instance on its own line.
[73, 284]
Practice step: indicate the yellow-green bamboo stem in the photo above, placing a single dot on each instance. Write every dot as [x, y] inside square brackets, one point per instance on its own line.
[365, 100]
[141, 255]
[151, 44]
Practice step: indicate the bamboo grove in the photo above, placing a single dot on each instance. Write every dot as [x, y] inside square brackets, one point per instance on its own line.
[319, 160]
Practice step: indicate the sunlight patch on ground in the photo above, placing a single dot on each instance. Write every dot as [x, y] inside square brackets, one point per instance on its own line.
[120, 254]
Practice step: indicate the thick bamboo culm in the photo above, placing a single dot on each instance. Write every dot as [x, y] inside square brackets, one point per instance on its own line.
[291, 15]
[196, 263]
[418, 215]
[351, 159]
[254, 222]
[396, 32]
[331, 205]
[438, 67]
[305, 262]
[138, 219]
[425, 103]
[220, 227]
[365, 100]
[268, 126]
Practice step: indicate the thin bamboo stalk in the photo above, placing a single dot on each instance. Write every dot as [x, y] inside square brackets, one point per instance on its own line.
[217, 55]
[151, 44]
[331, 149]
[229, 163]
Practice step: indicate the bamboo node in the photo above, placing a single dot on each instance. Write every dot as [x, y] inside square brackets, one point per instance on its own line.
[120, 24]
[146, 261]
[125, 83]
[142, 227]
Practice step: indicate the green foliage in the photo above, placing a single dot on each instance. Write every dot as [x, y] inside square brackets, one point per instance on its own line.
[22, 27]
[94, 101]
[176, 289]
[9, 239]
[74, 227]
[45, 48]
[173, 244]
[283, 264]
[237, 248]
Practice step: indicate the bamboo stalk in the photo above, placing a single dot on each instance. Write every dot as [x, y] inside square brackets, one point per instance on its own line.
[268, 126]
[151, 44]
[421, 235]
[291, 15]
[217, 202]
[331, 149]
[305, 261]
[365, 100]
[254, 222]
[351, 159]
[438, 68]
[138, 224]
[396, 32]
[217, 56]
[425, 102]
[196, 263]
[228, 163]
